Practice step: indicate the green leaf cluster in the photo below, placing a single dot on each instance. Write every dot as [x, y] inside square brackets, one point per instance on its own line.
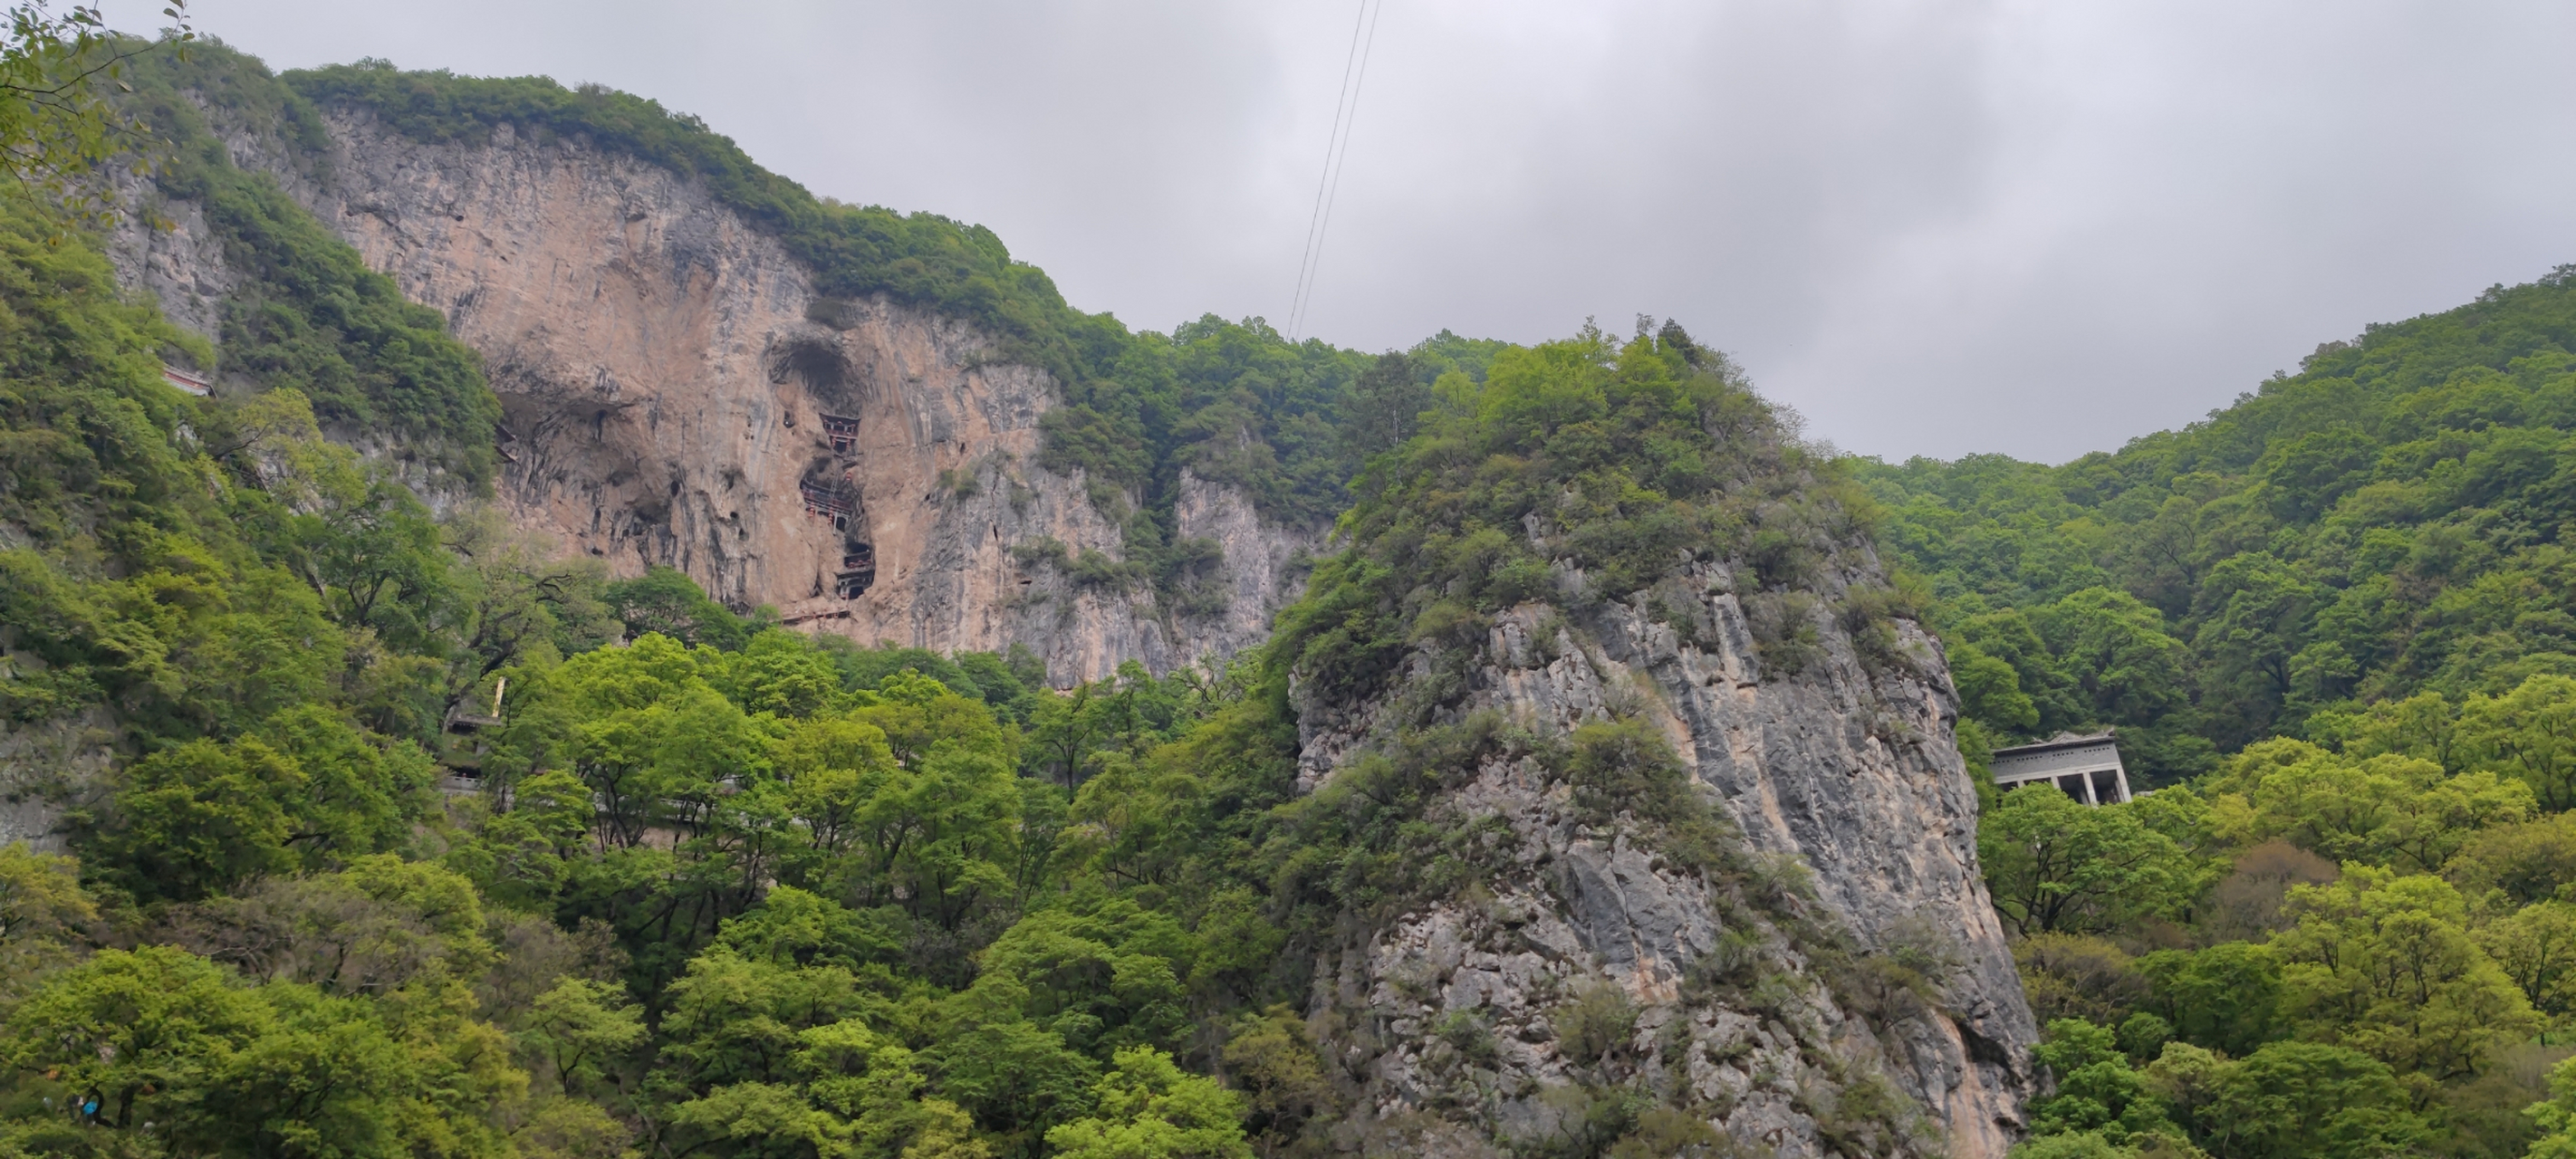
[1609, 460]
[2284, 1099]
[2402, 898]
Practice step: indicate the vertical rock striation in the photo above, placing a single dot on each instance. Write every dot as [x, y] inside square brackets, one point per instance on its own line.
[672, 398]
[1844, 782]
[1661, 833]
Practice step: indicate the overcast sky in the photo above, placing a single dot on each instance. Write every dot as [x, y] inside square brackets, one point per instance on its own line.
[2040, 228]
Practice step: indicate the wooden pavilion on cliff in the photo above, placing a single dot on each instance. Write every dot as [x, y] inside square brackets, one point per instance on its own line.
[2086, 768]
[826, 502]
[186, 380]
[844, 433]
[858, 570]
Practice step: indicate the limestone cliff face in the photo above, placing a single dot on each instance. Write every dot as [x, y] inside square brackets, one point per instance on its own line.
[670, 401]
[179, 262]
[1845, 773]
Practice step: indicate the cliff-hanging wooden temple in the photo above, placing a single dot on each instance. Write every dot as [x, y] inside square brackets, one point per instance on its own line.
[858, 570]
[844, 433]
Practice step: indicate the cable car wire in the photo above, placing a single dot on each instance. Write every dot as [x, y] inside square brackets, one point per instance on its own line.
[1328, 185]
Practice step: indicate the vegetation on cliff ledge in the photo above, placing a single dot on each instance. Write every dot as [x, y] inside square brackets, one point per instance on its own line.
[1616, 459]
[307, 313]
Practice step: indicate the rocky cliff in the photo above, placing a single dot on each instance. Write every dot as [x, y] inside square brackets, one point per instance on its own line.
[1792, 954]
[676, 393]
[1846, 779]
[1789, 943]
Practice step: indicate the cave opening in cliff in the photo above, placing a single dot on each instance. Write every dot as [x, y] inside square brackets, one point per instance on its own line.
[817, 363]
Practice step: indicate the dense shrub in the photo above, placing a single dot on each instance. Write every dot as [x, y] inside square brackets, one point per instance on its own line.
[309, 315]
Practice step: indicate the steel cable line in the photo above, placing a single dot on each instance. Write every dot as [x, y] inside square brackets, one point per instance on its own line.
[1328, 186]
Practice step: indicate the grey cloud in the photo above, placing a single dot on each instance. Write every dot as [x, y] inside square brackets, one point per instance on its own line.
[1935, 227]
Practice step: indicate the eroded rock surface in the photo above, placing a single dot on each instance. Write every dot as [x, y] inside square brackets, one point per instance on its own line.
[670, 401]
[1844, 776]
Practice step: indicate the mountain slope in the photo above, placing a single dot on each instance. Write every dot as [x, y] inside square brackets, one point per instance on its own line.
[1608, 672]
[2353, 584]
[2389, 520]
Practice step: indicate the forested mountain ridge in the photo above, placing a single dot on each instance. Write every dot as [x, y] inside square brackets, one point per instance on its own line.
[776, 893]
[2333, 621]
[1600, 799]
[2387, 521]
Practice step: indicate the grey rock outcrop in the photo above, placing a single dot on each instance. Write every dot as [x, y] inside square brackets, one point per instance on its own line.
[179, 261]
[1763, 1006]
[47, 766]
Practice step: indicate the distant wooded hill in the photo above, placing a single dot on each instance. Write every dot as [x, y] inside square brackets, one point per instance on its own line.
[2392, 519]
